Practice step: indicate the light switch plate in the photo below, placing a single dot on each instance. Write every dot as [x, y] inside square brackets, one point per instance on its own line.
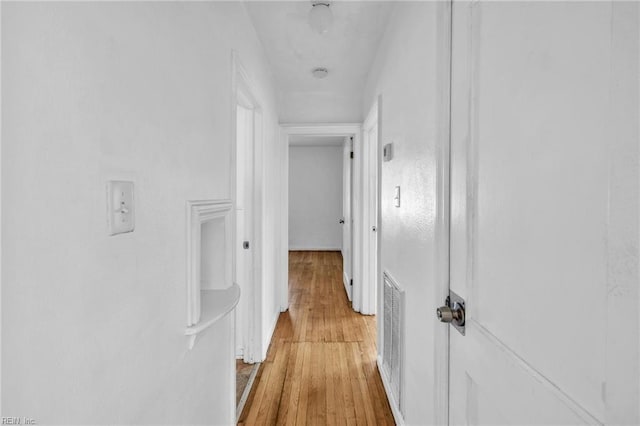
[120, 207]
[396, 197]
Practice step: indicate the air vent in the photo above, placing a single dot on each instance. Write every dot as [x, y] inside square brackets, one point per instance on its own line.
[393, 340]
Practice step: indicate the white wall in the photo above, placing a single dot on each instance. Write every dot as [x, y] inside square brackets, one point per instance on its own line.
[321, 107]
[405, 73]
[93, 325]
[315, 197]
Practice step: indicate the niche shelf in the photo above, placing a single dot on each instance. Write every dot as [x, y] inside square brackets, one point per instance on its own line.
[211, 294]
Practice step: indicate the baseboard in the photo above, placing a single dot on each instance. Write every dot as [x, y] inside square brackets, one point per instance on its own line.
[306, 248]
[395, 410]
[247, 390]
[347, 285]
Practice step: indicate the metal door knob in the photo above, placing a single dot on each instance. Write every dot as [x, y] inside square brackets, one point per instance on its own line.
[341, 221]
[454, 314]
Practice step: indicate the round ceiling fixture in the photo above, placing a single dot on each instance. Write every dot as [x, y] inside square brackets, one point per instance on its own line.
[320, 17]
[320, 73]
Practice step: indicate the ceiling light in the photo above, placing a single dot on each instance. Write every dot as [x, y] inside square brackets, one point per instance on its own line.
[320, 17]
[320, 73]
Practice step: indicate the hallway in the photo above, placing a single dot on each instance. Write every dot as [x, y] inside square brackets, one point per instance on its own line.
[321, 365]
[179, 180]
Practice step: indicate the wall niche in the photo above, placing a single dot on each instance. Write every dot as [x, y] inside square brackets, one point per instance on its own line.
[211, 292]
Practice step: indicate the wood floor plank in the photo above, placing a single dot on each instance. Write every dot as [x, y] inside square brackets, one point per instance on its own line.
[290, 399]
[329, 385]
[347, 392]
[321, 365]
[277, 381]
[303, 401]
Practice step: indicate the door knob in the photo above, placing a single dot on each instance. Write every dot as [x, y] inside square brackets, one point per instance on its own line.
[341, 220]
[454, 314]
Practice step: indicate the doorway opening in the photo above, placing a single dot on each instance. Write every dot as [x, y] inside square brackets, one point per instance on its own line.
[350, 217]
[360, 205]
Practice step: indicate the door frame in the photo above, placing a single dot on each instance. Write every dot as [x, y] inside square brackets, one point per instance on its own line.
[243, 92]
[442, 234]
[323, 129]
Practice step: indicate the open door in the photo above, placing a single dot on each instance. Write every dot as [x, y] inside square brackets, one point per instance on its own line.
[544, 213]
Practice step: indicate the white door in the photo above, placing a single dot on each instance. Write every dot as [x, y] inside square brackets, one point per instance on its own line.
[544, 212]
[347, 221]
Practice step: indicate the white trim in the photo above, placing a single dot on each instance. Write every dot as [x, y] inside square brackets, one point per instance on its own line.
[366, 294]
[358, 223]
[347, 214]
[347, 285]
[397, 416]
[247, 390]
[441, 287]
[325, 129]
[244, 94]
[1, 213]
[307, 248]
[269, 335]
[282, 287]
[198, 213]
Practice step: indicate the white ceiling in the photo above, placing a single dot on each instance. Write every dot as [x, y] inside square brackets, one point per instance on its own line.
[294, 50]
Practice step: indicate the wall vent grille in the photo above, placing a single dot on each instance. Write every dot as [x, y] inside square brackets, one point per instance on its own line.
[393, 338]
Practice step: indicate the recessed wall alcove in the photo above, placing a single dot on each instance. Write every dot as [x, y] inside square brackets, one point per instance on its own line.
[211, 293]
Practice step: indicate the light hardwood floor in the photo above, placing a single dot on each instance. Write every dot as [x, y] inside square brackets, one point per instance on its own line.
[321, 365]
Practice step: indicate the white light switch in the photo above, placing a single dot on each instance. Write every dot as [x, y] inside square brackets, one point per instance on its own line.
[120, 207]
[396, 197]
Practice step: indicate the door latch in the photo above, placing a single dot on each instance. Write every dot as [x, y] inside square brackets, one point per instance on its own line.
[453, 312]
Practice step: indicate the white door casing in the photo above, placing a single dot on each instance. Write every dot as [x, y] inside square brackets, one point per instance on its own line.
[245, 182]
[340, 129]
[242, 257]
[246, 320]
[347, 215]
[544, 213]
[371, 229]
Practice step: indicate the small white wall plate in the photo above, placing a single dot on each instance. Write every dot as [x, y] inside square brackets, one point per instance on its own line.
[120, 207]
